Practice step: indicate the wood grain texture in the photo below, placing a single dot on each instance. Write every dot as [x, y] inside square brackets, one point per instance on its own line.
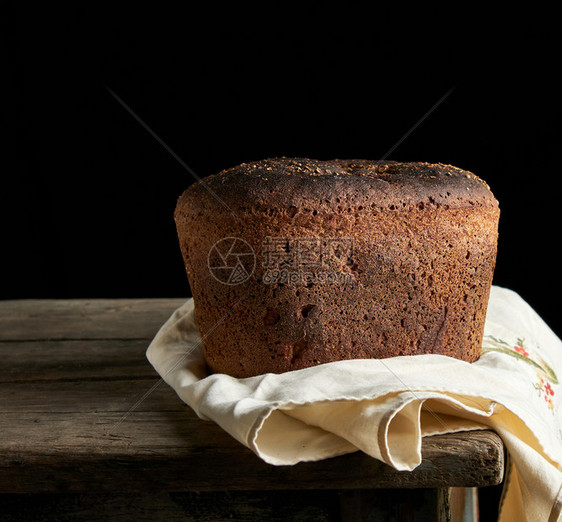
[420, 505]
[92, 359]
[28, 319]
[216, 506]
[90, 414]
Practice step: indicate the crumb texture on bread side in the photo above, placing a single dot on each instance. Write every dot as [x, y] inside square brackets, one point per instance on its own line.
[402, 262]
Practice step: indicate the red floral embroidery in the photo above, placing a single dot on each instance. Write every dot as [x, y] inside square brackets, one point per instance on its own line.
[546, 375]
[545, 388]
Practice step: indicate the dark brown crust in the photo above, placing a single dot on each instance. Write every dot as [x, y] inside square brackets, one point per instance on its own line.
[286, 182]
[424, 246]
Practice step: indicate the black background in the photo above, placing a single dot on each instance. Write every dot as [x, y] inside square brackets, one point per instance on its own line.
[88, 194]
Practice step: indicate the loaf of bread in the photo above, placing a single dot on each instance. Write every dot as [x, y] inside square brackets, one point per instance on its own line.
[297, 262]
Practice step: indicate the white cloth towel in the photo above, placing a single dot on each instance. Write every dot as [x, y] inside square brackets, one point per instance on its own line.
[384, 407]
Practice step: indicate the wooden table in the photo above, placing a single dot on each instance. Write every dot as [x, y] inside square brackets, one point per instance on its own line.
[89, 431]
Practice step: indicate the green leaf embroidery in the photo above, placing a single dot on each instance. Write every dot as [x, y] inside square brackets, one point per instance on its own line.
[493, 344]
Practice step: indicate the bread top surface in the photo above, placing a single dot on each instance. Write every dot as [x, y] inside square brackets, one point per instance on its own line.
[297, 182]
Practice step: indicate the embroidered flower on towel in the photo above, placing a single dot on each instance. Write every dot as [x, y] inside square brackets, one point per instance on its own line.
[544, 372]
[545, 390]
[520, 351]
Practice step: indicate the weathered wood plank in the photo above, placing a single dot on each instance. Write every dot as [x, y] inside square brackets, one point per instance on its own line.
[91, 414]
[305, 505]
[44, 397]
[173, 450]
[28, 319]
[273, 506]
[70, 410]
[63, 360]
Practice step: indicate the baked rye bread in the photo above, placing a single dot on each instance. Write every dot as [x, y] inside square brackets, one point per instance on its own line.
[295, 262]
